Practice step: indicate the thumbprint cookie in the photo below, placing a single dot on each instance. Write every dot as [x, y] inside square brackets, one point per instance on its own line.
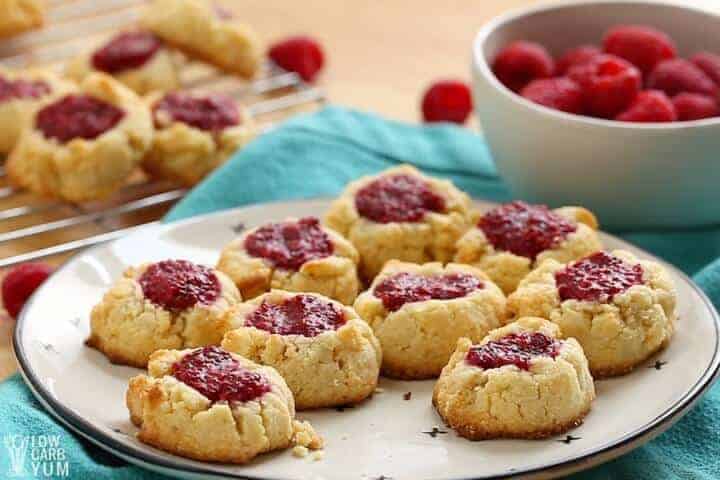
[194, 134]
[511, 239]
[168, 304]
[137, 58]
[22, 93]
[202, 30]
[298, 255]
[400, 214]
[325, 353]
[620, 308]
[521, 381]
[84, 145]
[211, 405]
[418, 312]
[18, 16]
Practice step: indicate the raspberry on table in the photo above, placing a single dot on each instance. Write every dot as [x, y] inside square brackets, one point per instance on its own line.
[649, 106]
[575, 56]
[708, 63]
[609, 84]
[20, 283]
[300, 54]
[559, 93]
[694, 106]
[521, 62]
[679, 75]
[641, 45]
[447, 101]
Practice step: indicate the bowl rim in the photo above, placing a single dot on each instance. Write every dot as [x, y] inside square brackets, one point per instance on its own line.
[481, 65]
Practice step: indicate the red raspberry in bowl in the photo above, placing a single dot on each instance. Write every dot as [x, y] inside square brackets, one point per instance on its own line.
[522, 62]
[609, 84]
[708, 63]
[20, 283]
[649, 106]
[641, 45]
[300, 54]
[447, 101]
[694, 106]
[576, 56]
[559, 93]
[679, 75]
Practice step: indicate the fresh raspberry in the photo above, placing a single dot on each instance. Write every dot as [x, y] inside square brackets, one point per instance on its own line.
[559, 93]
[447, 101]
[300, 54]
[521, 62]
[575, 56]
[679, 75]
[708, 63]
[694, 106]
[649, 106]
[609, 84]
[20, 283]
[640, 45]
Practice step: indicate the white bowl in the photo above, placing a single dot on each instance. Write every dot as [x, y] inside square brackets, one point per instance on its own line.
[630, 174]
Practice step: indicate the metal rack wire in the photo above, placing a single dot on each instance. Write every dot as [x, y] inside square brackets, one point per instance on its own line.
[33, 228]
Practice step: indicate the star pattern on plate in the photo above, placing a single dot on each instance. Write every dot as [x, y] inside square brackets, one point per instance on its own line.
[238, 227]
[569, 439]
[658, 365]
[435, 432]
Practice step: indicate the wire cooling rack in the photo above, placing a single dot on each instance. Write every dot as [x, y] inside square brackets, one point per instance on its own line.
[32, 227]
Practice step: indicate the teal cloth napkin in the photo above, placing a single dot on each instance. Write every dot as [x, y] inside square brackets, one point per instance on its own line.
[315, 155]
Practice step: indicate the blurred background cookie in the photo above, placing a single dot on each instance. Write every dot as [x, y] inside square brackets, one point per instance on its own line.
[137, 58]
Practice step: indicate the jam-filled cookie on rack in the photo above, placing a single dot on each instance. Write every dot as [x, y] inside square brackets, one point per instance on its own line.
[22, 93]
[521, 381]
[167, 304]
[18, 16]
[211, 405]
[137, 58]
[297, 255]
[194, 134]
[206, 31]
[327, 355]
[620, 308]
[511, 239]
[418, 312]
[400, 214]
[84, 145]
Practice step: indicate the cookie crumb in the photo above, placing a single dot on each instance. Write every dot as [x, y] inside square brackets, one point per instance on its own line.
[305, 436]
[318, 455]
[379, 390]
[299, 451]
[407, 395]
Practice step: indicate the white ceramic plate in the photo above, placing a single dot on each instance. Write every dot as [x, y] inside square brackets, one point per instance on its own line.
[382, 438]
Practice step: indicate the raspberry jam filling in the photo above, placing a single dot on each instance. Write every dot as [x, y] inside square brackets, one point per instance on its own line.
[305, 315]
[77, 116]
[289, 245]
[515, 349]
[207, 112]
[597, 278]
[10, 89]
[525, 230]
[397, 198]
[399, 289]
[218, 376]
[126, 51]
[176, 285]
